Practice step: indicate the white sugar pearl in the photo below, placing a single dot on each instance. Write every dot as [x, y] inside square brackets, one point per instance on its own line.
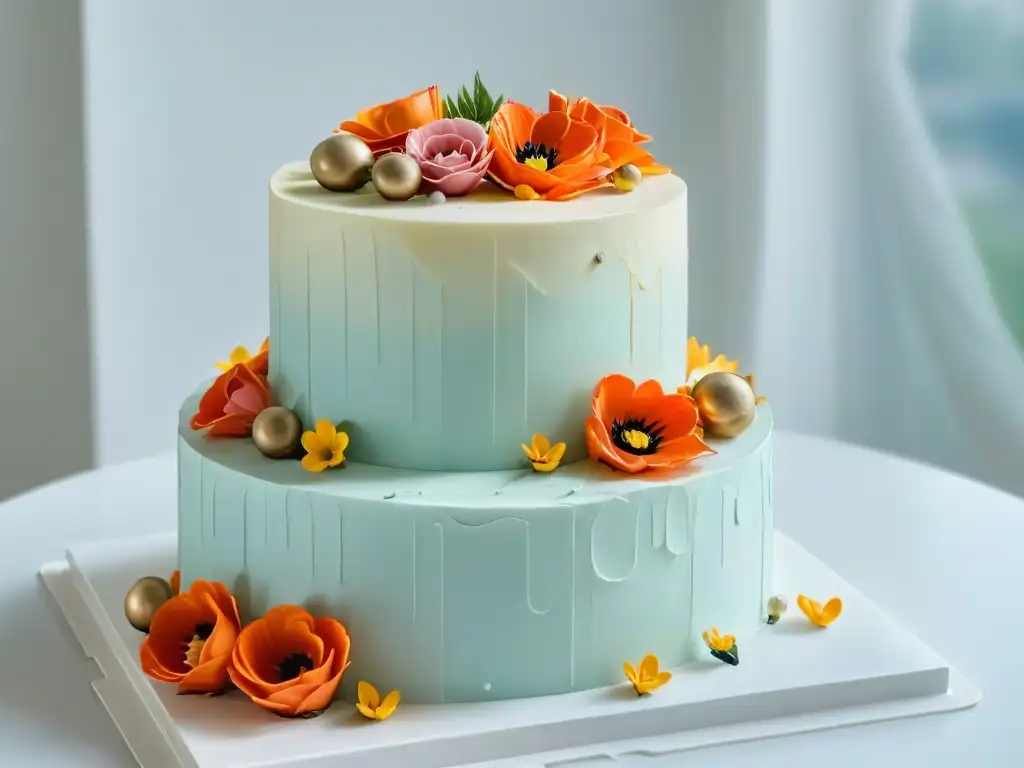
[437, 197]
[777, 605]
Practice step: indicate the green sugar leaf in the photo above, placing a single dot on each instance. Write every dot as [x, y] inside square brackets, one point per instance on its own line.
[477, 105]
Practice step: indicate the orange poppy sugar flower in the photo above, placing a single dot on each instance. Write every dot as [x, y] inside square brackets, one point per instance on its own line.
[633, 428]
[290, 663]
[620, 140]
[232, 403]
[549, 156]
[258, 363]
[191, 637]
[385, 127]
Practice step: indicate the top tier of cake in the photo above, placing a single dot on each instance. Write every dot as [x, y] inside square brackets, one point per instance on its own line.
[443, 336]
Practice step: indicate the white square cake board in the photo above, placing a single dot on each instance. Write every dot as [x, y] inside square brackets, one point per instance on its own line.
[792, 678]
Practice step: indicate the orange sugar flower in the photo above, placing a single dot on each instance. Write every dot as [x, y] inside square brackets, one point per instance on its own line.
[620, 140]
[290, 663]
[385, 127]
[191, 637]
[551, 155]
[232, 403]
[633, 428]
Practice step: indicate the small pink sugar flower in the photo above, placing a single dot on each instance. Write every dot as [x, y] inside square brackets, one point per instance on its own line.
[452, 155]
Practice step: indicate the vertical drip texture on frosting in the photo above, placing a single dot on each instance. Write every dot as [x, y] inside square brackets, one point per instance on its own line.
[444, 345]
[499, 587]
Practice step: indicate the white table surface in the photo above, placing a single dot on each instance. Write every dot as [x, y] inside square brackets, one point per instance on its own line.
[942, 553]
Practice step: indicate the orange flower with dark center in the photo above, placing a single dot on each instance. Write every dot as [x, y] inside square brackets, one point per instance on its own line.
[385, 127]
[633, 428]
[290, 663]
[191, 637]
[551, 155]
[232, 403]
[620, 140]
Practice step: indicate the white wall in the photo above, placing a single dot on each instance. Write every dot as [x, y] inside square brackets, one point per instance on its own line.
[45, 393]
[193, 104]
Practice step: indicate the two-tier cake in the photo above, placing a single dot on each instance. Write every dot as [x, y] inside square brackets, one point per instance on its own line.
[477, 457]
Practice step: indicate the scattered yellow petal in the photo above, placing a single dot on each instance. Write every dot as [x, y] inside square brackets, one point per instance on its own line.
[525, 192]
[370, 704]
[817, 614]
[647, 677]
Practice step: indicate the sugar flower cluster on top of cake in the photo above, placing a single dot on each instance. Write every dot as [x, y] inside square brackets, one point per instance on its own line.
[423, 144]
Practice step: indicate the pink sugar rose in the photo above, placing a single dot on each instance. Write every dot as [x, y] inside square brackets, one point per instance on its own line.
[452, 155]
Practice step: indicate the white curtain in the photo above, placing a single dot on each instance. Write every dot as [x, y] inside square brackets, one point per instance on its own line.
[876, 323]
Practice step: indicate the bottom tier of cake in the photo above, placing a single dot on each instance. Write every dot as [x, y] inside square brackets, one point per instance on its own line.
[492, 585]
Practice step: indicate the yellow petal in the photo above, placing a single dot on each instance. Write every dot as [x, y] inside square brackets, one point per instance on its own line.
[528, 451]
[810, 608]
[544, 466]
[367, 694]
[366, 712]
[728, 642]
[696, 355]
[555, 453]
[326, 431]
[630, 673]
[312, 462]
[389, 705]
[831, 611]
[238, 355]
[541, 444]
[340, 442]
[648, 667]
[525, 192]
[311, 442]
[661, 678]
[707, 639]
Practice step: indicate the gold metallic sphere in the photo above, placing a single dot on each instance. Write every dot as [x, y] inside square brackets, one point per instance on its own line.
[276, 431]
[341, 163]
[627, 178]
[396, 176]
[726, 403]
[143, 599]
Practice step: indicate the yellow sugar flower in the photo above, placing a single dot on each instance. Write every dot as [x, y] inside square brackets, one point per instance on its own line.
[723, 647]
[240, 354]
[325, 447]
[647, 678]
[717, 642]
[370, 704]
[542, 454]
[818, 614]
[699, 362]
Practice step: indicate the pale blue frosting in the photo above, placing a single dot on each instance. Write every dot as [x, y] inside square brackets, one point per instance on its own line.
[445, 336]
[488, 585]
